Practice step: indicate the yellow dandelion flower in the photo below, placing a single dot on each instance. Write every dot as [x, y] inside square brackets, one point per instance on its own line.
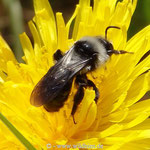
[119, 121]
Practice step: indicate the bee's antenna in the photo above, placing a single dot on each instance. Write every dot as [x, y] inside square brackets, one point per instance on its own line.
[112, 51]
[109, 27]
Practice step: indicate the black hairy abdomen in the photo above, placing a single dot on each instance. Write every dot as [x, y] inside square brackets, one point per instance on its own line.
[58, 102]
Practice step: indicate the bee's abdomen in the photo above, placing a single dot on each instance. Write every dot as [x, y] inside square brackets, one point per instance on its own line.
[58, 102]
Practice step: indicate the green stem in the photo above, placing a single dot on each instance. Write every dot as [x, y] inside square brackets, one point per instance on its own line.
[20, 137]
[14, 10]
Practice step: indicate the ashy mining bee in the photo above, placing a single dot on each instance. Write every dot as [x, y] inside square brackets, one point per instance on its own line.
[84, 56]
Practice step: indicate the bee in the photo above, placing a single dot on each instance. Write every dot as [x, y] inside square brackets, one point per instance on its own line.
[86, 54]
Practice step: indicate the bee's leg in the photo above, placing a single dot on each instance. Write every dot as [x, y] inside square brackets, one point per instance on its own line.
[81, 82]
[77, 100]
[83, 79]
[97, 94]
[58, 55]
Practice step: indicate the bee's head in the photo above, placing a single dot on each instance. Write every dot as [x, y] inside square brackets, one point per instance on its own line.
[97, 49]
[94, 48]
[107, 45]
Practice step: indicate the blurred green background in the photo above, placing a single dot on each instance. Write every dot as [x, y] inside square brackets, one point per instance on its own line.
[14, 15]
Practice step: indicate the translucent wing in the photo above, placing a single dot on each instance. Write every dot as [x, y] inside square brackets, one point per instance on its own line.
[57, 77]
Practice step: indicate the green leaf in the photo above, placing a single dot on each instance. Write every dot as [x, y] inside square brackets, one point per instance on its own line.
[20, 137]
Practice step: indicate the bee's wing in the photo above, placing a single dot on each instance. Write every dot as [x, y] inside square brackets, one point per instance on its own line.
[49, 86]
[56, 78]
